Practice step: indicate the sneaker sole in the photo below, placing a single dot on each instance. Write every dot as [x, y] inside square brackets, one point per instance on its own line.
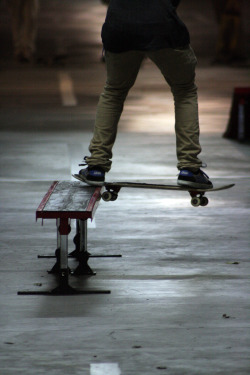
[90, 182]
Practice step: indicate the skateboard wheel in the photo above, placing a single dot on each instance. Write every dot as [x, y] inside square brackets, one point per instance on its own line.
[107, 196]
[195, 201]
[204, 201]
[114, 196]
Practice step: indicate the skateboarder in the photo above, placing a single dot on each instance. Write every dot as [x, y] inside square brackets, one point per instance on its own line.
[133, 30]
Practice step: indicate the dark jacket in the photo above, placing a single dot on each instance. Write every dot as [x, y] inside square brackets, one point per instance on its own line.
[143, 25]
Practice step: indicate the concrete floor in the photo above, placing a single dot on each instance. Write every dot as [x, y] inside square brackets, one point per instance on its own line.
[180, 293]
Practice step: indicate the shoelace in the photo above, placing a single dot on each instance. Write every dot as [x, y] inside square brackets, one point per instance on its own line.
[83, 164]
[204, 174]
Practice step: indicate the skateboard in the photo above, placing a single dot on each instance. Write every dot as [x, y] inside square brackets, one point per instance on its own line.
[112, 189]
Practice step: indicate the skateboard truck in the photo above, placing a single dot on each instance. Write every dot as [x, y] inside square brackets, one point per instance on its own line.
[198, 199]
[111, 194]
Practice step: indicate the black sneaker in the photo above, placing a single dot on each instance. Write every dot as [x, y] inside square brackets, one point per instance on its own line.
[198, 180]
[93, 175]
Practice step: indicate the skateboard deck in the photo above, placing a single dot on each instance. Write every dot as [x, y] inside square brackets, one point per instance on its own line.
[112, 189]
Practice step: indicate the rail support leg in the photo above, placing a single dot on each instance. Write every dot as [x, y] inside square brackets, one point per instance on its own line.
[82, 254]
[64, 288]
[61, 253]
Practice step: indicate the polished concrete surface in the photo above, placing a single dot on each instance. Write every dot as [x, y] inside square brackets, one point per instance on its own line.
[179, 301]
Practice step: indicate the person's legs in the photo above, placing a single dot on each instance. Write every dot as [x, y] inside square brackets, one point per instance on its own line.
[122, 70]
[15, 9]
[24, 27]
[178, 68]
[29, 27]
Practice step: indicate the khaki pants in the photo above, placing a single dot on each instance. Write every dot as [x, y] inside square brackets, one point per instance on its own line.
[178, 69]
